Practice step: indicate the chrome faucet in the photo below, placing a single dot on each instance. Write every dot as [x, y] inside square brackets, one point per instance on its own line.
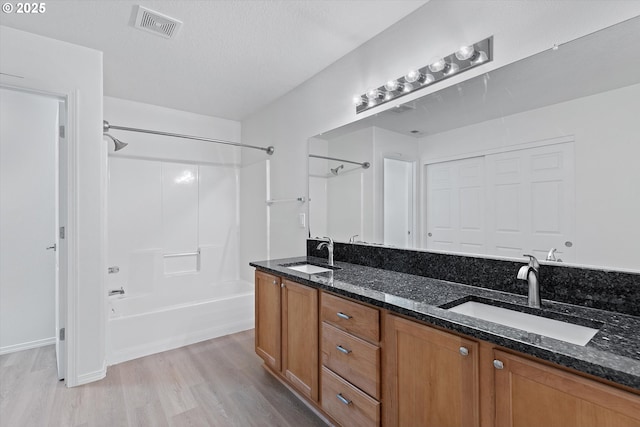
[329, 245]
[530, 274]
[551, 256]
[353, 238]
[117, 291]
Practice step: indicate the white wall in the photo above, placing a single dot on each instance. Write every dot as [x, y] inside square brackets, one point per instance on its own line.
[604, 129]
[76, 72]
[520, 29]
[29, 129]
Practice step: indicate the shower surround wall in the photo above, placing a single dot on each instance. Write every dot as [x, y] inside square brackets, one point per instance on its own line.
[173, 233]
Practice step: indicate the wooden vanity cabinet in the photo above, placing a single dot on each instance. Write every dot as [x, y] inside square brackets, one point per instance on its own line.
[430, 378]
[268, 313]
[529, 393]
[286, 330]
[377, 368]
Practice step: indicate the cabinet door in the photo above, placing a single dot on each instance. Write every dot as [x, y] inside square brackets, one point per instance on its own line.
[300, 337]
[431, 376]
[529, 393]
[267, 308]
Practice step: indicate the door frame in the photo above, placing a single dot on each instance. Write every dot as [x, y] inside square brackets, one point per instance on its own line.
[67, 292]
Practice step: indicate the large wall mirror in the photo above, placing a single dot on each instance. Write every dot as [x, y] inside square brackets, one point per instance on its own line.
[542, 153]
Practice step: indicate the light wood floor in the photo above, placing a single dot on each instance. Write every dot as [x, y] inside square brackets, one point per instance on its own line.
[214, 383]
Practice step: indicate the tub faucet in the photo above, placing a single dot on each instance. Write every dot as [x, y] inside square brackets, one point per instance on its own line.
[530, 274]
[329, 245]
[117, 291]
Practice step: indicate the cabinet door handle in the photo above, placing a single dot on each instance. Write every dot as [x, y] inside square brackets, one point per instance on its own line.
[342, 349]
[464, 351]
[342, 399]
[282, 285]
[275, 282]
[343, 316]
[498, 364]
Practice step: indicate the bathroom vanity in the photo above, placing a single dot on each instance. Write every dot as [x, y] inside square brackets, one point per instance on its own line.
[368, 347]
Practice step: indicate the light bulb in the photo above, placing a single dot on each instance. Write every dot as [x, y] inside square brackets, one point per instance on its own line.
[412, 76]
[479, 58]
[407, 88]
[465, 52]
[450, 69]
[373, 94]
[388, 96]
[391, 85]
[428, 79]
[357, 100]
[437, 65]
[371, 103]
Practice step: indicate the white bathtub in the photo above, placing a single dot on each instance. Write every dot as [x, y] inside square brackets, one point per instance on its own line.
[144, 324]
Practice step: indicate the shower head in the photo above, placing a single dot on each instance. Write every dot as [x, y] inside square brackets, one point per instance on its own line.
[119, 144]
[337, 169]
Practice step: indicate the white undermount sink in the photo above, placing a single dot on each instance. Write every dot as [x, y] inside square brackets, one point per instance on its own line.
[309, 268]
[557, 329]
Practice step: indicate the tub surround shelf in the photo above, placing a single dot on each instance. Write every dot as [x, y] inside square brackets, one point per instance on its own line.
[612, 354]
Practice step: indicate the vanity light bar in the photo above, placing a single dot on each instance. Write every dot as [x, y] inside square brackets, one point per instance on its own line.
[465, 58]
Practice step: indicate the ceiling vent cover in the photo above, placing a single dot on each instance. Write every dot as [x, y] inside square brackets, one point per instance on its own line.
[157, 23]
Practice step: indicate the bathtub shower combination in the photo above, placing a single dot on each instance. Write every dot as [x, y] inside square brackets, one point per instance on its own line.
[173, 234]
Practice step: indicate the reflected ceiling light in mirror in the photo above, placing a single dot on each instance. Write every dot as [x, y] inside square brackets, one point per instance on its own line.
[462, 60]
[437, 66]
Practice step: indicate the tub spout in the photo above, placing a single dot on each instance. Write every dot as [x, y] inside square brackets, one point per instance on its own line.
[117, 291]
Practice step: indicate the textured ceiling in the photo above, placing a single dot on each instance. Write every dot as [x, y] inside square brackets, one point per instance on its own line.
[231, 58]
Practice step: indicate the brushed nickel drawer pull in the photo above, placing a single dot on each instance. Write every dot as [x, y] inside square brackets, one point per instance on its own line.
[343, 316]
[342, 399]
[342, 349]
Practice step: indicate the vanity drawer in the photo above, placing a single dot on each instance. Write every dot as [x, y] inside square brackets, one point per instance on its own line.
[355, 318]
[354, 359]
[346, 404]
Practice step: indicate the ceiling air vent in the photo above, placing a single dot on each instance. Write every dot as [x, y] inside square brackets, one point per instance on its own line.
[157, 23]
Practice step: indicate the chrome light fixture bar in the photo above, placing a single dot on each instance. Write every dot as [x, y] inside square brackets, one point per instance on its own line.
[465, 58]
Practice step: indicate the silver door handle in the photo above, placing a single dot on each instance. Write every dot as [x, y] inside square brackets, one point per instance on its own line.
[52, 247]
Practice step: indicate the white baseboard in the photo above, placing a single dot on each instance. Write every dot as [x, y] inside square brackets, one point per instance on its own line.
[90, 377]
[27, 345]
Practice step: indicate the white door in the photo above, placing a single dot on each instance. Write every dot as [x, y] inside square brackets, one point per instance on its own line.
[532, 201]
[455, 206]
[398, 195]
[28, 219]
[506, 204]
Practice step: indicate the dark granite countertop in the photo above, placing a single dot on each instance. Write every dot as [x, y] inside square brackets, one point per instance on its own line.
[612, 354]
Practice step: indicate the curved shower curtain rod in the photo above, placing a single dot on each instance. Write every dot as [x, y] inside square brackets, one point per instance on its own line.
[106, 126]
[364, 165]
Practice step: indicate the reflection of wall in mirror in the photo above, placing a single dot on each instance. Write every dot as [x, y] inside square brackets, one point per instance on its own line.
[350, 203]
[603, 126]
